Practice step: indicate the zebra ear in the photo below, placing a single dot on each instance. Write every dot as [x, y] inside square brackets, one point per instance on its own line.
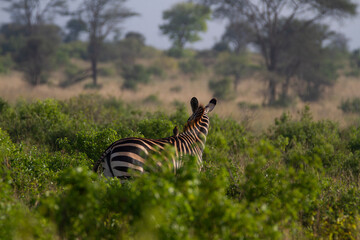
[194, 104]
[176, 131]
[210, 105]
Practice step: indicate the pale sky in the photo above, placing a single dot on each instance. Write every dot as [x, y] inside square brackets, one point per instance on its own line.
[151, 17]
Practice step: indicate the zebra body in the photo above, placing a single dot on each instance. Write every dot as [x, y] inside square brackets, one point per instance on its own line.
[131, 153]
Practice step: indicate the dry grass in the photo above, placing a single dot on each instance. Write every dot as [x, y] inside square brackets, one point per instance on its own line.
[13, 87]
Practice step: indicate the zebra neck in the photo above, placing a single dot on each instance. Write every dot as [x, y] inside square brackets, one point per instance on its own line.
[194, 137]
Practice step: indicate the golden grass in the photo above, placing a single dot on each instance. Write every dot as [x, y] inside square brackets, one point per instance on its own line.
[13, 87]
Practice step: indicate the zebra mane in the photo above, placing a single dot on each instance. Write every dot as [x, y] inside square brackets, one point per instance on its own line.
[195, 117]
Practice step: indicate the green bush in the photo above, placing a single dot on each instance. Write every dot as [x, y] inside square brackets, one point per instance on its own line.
[298, 179]
[156, 71]
[71, 71]
[151, 99]
[246, 105]
[91, 142]
[6, 64]
[73, 74]
[133, 75]
[159, 205]
[317, 140]
[191, 66]
[350, 105]
[223, 89]
[156, 128]
[106, 72]
[41, 121]
[3, 105]
[74, 49]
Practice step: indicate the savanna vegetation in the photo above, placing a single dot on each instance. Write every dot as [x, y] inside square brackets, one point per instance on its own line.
[299, 179]
[282, 158]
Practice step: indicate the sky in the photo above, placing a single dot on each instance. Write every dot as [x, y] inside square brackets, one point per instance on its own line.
[147, 23]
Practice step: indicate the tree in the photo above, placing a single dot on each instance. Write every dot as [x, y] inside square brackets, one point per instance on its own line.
[319, 69]
[234, 66]
[36, 57]
[30, 13]
[36, 38]
[184, 22]
[135, 36]
[269, 19]
[74, 27]
[237, 35]
[102, 17]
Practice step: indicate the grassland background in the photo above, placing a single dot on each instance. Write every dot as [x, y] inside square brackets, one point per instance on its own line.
[250, 90]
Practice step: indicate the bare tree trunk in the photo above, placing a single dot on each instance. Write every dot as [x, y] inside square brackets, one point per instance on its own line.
[237, 81]
[94, 70]
[285, 88]
[94, 58]
[272, 91]
[272, 69]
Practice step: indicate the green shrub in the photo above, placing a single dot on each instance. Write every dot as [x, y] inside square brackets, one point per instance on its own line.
[41, 121]
[160, 205]
[299, 179]
[223, 89]
[246, 105]
[62, 57]
[91, 142]
[6, 64]
[156, 128]
[34, 171]
[175, 52]
[17, 221]
[73, 75]
[317, 140]
[133, 75]
[151, 99]
[350, 105]
[176, 89]
[79, 210]
[74, 49]
[6, 147]
[106, 71]
[156, 71]
[3, 105]
[191, 66]
[354, 139]
[71, 71]
[268, 181]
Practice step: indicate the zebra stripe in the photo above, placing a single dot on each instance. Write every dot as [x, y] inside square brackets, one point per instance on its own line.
[131, 153]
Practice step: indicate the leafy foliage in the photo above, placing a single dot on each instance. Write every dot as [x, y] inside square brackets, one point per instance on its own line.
[133, 75]
[299, 179]
[191, 66]
[350, 105]
[185, 20]
[271, 26]
[234, 66]
[223, 89]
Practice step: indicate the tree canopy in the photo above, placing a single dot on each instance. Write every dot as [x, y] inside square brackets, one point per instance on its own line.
[183, 23]
[269, 20]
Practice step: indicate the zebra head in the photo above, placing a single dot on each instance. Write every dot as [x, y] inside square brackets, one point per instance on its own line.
[198, 122]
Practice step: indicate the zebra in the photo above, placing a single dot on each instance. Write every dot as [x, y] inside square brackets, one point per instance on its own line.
[131, 153]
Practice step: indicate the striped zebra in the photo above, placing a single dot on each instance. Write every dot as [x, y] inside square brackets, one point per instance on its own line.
[131, 153]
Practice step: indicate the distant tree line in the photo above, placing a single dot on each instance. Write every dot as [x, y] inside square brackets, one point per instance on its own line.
[300, 55]
[291, 37]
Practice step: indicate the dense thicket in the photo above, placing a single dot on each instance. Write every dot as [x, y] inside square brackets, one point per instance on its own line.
[298, 179]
